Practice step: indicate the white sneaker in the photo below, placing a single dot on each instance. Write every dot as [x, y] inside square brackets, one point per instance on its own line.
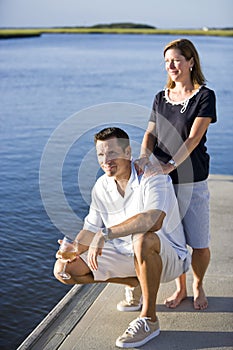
[132, 301]
[138, 333]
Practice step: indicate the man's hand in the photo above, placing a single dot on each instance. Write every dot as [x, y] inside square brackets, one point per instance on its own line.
[94, 250]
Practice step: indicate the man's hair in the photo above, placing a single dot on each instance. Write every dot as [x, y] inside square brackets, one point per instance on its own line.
[111, 132]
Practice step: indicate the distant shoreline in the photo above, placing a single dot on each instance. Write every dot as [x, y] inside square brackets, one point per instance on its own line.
[8, 33]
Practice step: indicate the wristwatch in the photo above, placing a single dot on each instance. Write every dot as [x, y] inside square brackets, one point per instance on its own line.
[105, 233]
[172, 162]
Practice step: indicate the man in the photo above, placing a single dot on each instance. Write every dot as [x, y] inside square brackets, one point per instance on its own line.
[132, 234]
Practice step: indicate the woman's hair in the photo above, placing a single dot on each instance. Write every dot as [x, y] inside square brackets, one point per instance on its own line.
[111, 132]
[188, 50]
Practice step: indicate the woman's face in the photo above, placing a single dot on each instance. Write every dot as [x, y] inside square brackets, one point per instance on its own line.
[177, 67]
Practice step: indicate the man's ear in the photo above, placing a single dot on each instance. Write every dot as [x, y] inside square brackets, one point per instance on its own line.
[128, 152]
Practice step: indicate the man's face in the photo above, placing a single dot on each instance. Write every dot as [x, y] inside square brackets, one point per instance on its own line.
[113, 159]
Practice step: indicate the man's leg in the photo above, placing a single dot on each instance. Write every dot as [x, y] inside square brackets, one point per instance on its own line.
[81, 274]
[77, 269]
[148, 266]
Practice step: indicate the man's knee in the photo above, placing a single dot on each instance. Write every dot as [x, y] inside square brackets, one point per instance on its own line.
[148, 243]
[58, 267]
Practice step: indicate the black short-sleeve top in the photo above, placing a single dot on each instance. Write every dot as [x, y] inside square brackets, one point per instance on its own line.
[173, 124]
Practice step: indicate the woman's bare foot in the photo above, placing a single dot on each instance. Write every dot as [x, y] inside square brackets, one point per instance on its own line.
[200, 301]
[173, 301]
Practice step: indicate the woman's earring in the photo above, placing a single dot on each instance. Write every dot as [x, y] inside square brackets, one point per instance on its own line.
[191, 68]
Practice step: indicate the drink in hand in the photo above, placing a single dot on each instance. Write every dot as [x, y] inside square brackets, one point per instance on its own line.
[69, 256]
[67, 252]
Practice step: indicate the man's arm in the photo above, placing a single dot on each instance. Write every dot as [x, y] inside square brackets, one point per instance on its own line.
[84, 239]
[150, 220]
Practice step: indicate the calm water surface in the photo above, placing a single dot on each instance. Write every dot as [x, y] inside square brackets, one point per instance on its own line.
[43, 81]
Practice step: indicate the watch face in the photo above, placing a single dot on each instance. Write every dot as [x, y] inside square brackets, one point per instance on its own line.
[105, 233]
[172, 162]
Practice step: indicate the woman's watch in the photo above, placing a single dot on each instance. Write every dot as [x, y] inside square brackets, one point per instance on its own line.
[172, 162]
[105, 233]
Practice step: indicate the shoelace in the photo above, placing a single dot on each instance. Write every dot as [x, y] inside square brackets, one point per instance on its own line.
[135, 325]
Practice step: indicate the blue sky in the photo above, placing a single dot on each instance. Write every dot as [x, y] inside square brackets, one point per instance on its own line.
[159, 13]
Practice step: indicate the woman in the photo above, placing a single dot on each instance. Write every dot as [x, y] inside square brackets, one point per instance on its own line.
[176, 135]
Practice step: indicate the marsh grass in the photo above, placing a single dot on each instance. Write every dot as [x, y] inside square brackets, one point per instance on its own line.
[24, 32]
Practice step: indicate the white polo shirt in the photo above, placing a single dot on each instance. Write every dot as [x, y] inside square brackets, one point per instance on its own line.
[109, 208]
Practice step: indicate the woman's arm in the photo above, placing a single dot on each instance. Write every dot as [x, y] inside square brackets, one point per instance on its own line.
[197, 131]
[149, 140]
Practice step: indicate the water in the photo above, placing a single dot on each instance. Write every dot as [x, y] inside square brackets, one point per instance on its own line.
[43, 81]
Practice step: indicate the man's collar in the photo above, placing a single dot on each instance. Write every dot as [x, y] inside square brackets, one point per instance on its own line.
[133, 182]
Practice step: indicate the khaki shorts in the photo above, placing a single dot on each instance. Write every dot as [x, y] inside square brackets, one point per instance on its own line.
[112, 264]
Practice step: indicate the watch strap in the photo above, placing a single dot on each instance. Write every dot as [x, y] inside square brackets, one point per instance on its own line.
[105, 233]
